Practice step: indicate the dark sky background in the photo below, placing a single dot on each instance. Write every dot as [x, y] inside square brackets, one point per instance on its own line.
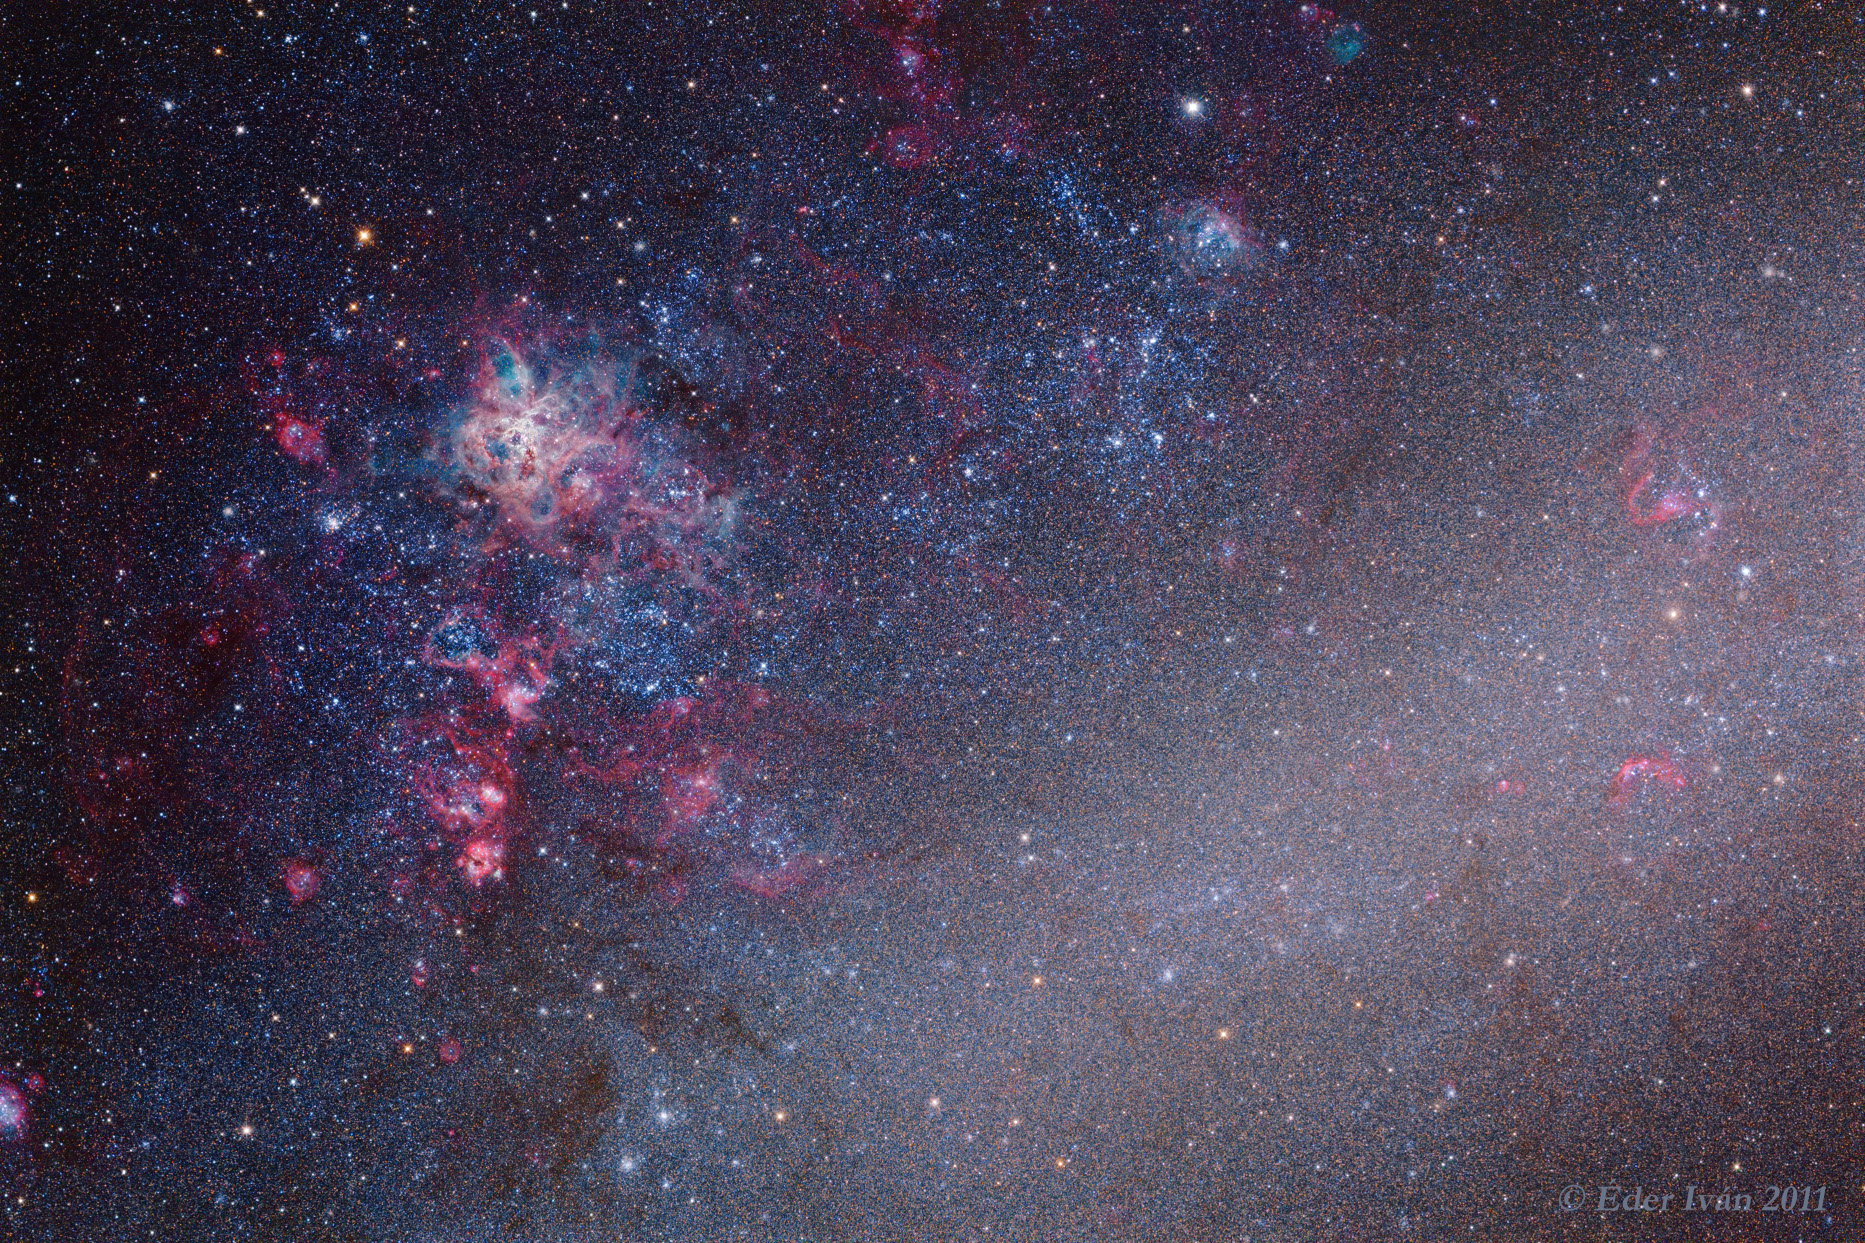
[871, 620]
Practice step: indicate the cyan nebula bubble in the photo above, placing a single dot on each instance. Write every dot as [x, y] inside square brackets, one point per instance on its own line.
[1346, 42]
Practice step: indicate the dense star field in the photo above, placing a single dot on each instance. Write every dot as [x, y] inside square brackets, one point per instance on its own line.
[930, 621]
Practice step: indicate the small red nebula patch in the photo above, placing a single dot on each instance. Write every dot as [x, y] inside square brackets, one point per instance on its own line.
[418, 973]
[1639, 770]
[302, 880]
[450, 1050]
[302, 441]
[1313, 17]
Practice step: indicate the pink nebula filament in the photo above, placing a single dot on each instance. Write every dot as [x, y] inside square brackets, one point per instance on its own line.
[1640, 769]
